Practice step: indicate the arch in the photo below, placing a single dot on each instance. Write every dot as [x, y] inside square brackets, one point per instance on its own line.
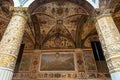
[11, 1]
[117, 7]
[114, 3]
[94, 3]
[21, 3]
[85, 4]
[71, 43]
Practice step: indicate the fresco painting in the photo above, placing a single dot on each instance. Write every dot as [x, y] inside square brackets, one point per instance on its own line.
[80, 62]
[59, 61]
[89, 61]
[25, 63]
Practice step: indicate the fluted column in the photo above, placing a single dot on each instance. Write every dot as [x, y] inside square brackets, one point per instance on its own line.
[110, 40]
[10, 43]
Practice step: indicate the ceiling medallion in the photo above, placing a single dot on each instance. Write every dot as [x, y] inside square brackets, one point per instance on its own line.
[60, 11]
[59, 21]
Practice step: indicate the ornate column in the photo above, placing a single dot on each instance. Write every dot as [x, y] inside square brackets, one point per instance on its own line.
[10, 43]
[110, 40]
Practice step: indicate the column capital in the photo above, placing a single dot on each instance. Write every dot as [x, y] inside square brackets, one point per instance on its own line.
[19, 11]
[103, 12]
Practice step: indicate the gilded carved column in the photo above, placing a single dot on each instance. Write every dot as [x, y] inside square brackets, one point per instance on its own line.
[110, 40]
[10, 43]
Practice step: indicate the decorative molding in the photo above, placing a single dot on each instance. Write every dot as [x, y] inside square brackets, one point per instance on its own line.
[103, 12]
[7, 60]
[19, 11]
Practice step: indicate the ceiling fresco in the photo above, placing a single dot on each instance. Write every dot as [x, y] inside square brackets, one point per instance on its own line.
[86, 5]
[58, 43]
[4, 16]
[60, 20]
[116, 14]
[56, 24]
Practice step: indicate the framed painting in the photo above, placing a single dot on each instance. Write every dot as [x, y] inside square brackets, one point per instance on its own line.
[25, 63]
[57, 61]
[89, 60]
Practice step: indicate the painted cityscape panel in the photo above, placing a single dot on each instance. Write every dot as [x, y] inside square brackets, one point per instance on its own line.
[59, 61]
[89, 61]
[25, 63]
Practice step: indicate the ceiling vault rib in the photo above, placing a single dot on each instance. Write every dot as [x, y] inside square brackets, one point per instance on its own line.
[79, 29]
[93, 32]
[37, 32]
[82, 3]
[28, 36]
[31, 29]
[69, 36]
[50, 36]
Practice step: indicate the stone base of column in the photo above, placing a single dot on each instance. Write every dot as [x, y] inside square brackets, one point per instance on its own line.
[115, 76]
[5, 74]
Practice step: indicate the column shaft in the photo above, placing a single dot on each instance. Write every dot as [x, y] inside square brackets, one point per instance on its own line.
[5, 74]
[10, 43]
[110, 39]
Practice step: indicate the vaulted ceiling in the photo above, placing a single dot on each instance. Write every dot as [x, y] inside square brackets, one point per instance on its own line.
[56, 24]
[59, 23]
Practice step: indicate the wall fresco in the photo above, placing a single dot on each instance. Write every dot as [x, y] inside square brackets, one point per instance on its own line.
[80, 62]
[89, 61]
[58, 43]
[25, 63]
[57, 61]
[80, 69]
